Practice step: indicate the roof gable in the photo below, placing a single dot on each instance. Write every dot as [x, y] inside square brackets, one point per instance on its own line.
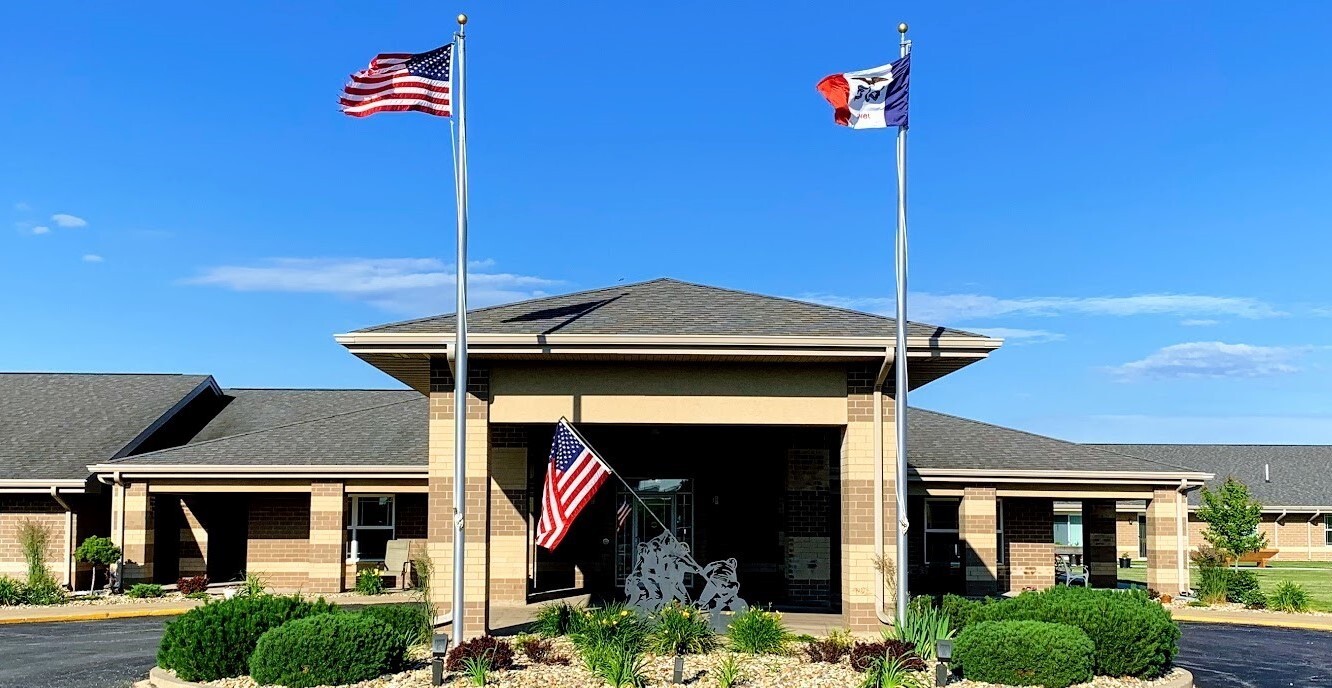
[667, 307]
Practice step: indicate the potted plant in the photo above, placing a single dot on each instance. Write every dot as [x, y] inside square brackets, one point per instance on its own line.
[1125, 561]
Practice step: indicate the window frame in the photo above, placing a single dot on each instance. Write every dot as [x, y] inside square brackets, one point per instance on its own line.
[956, 532]
[999, 529]
[1327, 530]
[1068, 528]
[1142, 536]
[353, 554]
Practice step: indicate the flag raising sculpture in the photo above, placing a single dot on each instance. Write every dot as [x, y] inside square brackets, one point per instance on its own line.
[424, 82]
[877, 99]
[572, 478]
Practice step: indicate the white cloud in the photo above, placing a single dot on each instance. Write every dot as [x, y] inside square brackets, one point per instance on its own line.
[1192, 360]
[1199, 322]
[40, 229]
[92, 258]
[68, 221]
[945, 308]
[404, 285]
[1014, 335]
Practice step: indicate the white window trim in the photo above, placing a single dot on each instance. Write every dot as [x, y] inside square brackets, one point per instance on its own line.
[925, 555]
[353, 555]
[1327, 530]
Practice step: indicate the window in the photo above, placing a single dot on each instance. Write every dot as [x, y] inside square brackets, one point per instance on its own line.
[1068, 530]
[999, 529]
[1142, 536]
[941, 532]
[1327, 529]
[372, 526]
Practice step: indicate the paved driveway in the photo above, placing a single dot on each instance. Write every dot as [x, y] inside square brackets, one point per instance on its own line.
[112, 654]
[91, 654]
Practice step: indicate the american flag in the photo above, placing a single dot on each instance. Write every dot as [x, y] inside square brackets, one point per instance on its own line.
[572, 479]
[401, 81]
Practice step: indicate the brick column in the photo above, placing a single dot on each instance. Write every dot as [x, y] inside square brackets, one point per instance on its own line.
[193, 551]
[1029, 530]
[978, 525]
[327, 534]
[1099, 542]
[1163, 543]
[860, 576]
[131, 502]
[476, 615]
[508, 514]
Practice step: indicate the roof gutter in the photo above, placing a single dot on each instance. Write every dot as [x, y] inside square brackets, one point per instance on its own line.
[218, 472]
[1187, 478]
[43, 486]
[880, 562]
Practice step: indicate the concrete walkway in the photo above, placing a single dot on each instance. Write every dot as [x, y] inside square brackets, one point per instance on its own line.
[147, 608]
[1311, 622]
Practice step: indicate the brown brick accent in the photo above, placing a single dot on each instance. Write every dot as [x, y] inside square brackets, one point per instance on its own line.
[978, 523]
[278, 539]
[1029, 533]
[15, 510]
[1099, 544]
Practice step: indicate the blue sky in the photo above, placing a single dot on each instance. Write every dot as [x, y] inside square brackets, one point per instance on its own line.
[1135, 194]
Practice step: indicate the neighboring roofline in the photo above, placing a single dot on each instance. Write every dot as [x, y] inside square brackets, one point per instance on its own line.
[269, 471]
[1003, 475]
[208, 384]
[43, 485]
[1278, 509]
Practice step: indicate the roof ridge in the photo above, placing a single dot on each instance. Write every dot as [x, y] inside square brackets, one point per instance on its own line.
[1204, 444]
[316, 389]
[339, 414]
[537, 299]
[1056, 439]
[121, 374]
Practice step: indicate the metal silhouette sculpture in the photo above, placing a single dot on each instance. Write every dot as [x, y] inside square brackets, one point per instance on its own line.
[658, 580]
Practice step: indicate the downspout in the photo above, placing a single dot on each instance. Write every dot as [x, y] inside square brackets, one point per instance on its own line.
[1181, 535]
[1308, 535]
[881, 562]
[1276, 529]
[69, 536]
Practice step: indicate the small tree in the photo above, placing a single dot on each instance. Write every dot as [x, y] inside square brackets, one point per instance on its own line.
[100, 552]
[33, 540]
[1232, 516]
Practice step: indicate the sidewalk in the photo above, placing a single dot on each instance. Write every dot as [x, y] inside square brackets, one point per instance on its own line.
[1311, 622]
[129, 610]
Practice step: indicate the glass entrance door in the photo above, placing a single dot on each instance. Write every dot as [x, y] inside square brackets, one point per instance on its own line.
[661, 501]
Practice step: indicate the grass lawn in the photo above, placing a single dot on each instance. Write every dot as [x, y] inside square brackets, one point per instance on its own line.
[1317, 582]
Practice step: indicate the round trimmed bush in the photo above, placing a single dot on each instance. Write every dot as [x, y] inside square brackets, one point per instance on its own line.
[215, 641]
[1024, 653]
[326, 650]
[411, 623]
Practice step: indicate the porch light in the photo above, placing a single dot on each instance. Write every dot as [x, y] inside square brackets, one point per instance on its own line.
[944, 652]
[439, 647]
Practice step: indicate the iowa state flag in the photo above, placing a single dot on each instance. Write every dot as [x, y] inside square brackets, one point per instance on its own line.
[870, 98]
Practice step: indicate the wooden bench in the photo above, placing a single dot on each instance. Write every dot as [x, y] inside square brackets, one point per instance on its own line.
[1261, 557]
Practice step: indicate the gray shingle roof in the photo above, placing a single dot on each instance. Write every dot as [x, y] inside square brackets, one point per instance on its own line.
[248, 410]
[388, 434]
[668, 307]
[1301, 474]
[938, 440]
[52, 425]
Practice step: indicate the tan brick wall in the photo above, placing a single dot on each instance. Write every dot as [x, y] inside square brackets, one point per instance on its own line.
[860, 576]
[978, 524]
[327, 536]
[1126, 533]
[508, 526]
[136, 538]
[1163, 563]
[278, 545]
[1029, 534]
[193, 537]
[15, 510]
[1296, 538]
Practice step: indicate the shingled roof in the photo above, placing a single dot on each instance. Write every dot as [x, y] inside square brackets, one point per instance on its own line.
[52, 425]
[668, 307]
[390, 433]
[247, 410]
[1301, 475]
[938, 440]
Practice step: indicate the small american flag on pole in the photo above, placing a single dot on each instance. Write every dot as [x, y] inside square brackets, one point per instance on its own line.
[401, 81]
[572, 478]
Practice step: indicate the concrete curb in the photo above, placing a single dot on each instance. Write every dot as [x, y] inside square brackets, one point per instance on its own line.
[94, 616]
[1254, 620]
[161, 678]
[1183, 681]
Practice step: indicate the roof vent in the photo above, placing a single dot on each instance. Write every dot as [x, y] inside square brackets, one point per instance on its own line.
[1267, 472]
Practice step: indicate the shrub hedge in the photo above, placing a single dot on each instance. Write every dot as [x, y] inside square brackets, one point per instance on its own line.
[410, 624]
[1132, 635]
[215, 641]
[326, 649]
[757, 632]
[1024, 653]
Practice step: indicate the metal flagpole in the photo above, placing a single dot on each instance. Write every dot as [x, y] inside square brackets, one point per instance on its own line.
[900, 360]
[459, 96]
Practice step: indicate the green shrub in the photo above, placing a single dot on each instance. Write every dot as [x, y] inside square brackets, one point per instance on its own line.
[622, 667]
[215, 641]
[923, 626]
[41, 587]
[410, 623]
[254, 585]
[728, 672]
[188, 584]
[555, 619]
[98, 551]
[614, 625]
[1289, 596]
[369, 582]
[497, 651]
[1132, 635]
[326, 649]
[758, 632]
[958, 609]
[46, 591]
[891, 673]
[681, 630]
[1254, 599]
[142, 590]
[864, 656]
[11, 592]
[1240, 584]
[1213, 582]
[1024, 653]
[198, 595]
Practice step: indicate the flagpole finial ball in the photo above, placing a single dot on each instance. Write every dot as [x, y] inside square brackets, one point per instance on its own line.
[902, 28]
[462, 19]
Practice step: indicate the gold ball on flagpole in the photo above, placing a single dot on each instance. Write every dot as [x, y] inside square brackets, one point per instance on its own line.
[902, 28]
[462, 19]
